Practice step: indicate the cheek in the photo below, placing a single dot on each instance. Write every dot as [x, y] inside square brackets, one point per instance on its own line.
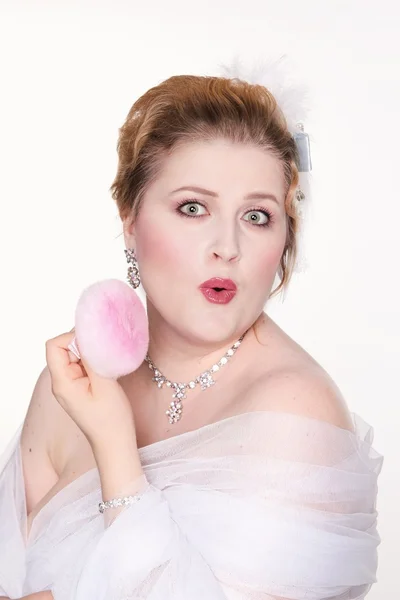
[159, 247]
[273, 257]
[269, 258]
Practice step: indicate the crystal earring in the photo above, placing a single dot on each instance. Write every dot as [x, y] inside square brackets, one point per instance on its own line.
[133, 277]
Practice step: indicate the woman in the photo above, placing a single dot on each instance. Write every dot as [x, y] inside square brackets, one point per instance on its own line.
[258, 483]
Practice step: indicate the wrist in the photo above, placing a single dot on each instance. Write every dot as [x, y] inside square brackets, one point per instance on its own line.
[119, 466]
[114, 444]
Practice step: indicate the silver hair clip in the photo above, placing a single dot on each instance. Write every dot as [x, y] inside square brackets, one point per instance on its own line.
[302, 141]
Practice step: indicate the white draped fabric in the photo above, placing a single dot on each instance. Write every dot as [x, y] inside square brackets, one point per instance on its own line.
[257, 506]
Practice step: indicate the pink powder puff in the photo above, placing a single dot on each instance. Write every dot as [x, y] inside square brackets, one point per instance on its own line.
[111, 328]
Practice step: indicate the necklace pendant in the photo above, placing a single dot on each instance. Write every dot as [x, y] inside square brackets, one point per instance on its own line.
[174, 413]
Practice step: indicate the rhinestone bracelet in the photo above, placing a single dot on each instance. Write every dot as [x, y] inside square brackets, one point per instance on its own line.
[115, 502]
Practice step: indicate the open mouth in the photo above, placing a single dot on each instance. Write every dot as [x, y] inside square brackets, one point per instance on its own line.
[218, 295]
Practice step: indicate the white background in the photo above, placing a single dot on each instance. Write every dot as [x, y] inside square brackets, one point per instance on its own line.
[70, 72]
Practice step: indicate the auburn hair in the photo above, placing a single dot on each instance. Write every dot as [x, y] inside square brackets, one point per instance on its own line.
[189, 108]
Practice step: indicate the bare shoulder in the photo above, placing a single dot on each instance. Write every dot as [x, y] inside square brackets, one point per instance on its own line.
[291, 380]
[304, 390]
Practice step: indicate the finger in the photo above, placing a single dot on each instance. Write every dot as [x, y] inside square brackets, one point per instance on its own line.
[57, 355]
[72, 358]
[97, 382]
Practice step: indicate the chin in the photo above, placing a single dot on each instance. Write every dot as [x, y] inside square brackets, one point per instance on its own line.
[211, 329]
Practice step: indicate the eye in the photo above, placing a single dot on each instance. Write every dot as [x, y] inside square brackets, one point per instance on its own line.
[192, 210]
[255, 219]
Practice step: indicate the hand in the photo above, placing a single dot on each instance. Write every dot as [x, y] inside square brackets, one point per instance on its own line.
[98, 405]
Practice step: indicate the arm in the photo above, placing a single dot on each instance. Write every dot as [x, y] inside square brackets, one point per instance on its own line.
[25, 482]
[37, 596]
[120, 470]
[37, 449]
[46, 595]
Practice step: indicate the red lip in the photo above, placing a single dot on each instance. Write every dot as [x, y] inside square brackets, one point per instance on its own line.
[219, 282]
[222, 297]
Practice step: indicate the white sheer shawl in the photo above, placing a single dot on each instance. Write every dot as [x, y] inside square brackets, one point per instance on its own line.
[260, 505]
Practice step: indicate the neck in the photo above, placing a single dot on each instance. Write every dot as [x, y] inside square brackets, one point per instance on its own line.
[181, 358]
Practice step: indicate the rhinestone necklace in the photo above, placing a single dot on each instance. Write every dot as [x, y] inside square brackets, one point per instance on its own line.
[205, 379]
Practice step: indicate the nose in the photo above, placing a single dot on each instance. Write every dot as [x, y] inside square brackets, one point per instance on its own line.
[226, 255]
[226, 245]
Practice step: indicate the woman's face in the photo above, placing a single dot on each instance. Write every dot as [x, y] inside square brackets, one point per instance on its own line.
[219, 232]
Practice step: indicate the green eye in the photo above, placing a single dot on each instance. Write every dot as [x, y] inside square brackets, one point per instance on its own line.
[190, 213]
[255, 221]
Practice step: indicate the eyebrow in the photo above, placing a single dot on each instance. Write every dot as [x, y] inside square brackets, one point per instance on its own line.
[252, 196]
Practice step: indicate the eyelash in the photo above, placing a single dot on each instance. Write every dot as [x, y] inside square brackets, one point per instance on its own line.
[257, 208]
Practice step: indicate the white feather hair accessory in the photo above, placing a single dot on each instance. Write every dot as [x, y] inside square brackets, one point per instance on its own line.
[293, 100]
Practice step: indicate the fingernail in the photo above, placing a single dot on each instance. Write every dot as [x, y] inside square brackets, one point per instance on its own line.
[74, 348]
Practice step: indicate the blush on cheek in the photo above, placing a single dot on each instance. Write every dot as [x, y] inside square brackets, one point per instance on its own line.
[159, 248]
[268, 263]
